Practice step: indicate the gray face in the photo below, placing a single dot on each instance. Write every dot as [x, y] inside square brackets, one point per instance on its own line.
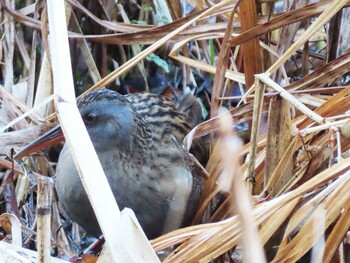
[109, 124]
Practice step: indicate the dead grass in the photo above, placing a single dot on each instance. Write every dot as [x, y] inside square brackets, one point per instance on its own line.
[287, 185]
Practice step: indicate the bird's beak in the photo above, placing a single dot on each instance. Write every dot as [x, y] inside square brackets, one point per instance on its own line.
[47, 139]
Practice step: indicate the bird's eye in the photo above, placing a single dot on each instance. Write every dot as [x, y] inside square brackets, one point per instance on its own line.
[89, 118]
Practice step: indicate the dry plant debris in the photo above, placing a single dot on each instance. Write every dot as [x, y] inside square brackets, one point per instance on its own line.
[275, 74]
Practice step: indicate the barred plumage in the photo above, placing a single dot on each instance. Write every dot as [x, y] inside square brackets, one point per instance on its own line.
[138, 140]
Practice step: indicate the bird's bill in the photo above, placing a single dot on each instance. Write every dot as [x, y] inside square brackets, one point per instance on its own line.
[47, 139]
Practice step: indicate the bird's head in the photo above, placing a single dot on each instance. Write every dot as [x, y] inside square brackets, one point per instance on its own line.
[109, 119]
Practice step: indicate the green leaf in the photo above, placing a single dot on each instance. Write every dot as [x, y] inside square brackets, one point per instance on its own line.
[212, 51]
[159, 61]
[205, 113]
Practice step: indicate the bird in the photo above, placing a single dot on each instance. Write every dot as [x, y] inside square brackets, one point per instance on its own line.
[138, 139]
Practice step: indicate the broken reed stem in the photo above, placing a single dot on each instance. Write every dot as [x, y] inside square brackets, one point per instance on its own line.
[263, 77]
[45, 185]
[22, 186]
[257, 109]
[340, 158]
[322, 127]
